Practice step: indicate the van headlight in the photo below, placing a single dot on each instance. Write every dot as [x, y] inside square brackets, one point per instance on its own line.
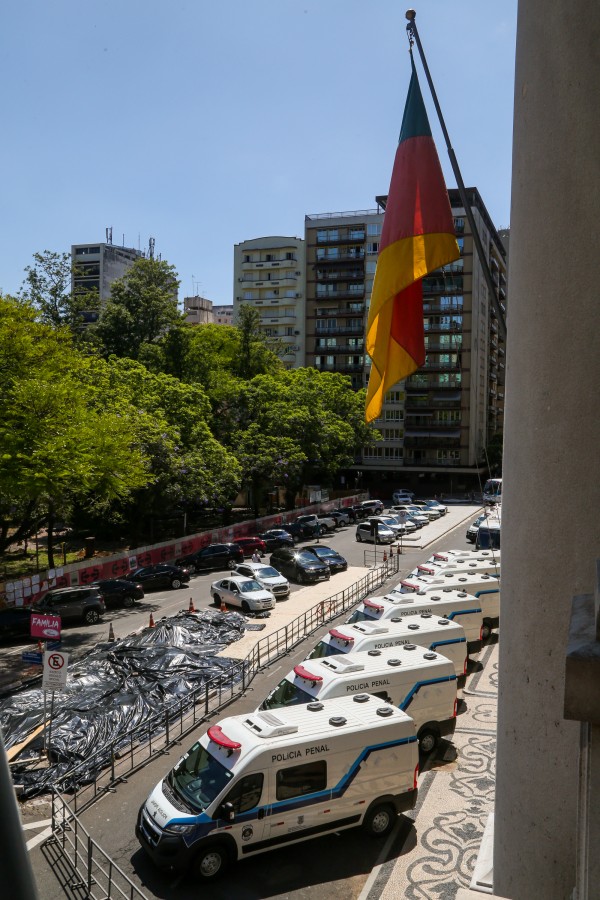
[176, 828]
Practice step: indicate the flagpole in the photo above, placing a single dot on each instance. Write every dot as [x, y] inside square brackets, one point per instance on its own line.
[413, 34]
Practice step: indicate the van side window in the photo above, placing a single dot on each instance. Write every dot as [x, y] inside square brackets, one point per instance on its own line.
[246, 793]
[383, 695]
[299, 780]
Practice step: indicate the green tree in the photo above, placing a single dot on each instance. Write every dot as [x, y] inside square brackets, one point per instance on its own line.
[47, 286]
[141, 310]
[59, 441]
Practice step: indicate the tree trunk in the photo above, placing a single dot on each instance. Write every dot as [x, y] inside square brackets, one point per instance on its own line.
[50, 536]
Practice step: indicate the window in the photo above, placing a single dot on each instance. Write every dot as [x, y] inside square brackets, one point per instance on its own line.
[356, 234]
[248, 295]
[373, 247]
[297, 781]
[459, 226]
[370, 266]
[374, 229]
[290, 256]
[246, 793]
[246, 257]
[269, 257]
[394, 415]
[326, 324]
[394, 397]
[289, 331]
[452, 455]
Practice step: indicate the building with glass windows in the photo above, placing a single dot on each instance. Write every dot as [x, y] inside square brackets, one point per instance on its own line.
[268, 273]
[437, 424]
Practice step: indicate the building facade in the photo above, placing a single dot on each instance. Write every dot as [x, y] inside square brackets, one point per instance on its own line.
[436, 424]
[268, 273]
[96, 266]
[200, 311]
[223, 314]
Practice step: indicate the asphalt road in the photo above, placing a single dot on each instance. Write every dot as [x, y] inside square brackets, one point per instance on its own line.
[336, 866]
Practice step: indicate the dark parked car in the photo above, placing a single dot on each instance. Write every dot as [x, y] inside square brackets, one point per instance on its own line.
[120, 592]
[276, 538]
[250, 545]
[153, 578]
[15, 622]
[74, 604]
[300, 532]
[299, 565]
[359, 512]
[327, 555]
[215, 556]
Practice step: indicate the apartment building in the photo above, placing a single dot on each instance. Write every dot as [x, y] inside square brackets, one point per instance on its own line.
[437, 422]
[200, 311]
[96, 266]
[268, 273]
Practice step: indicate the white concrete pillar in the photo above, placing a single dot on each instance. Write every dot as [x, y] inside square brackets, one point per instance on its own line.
[551, 490]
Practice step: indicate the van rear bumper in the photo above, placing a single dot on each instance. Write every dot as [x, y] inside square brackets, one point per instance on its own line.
[474, 646]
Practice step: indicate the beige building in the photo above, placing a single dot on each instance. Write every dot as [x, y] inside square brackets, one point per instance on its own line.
[200, 311]
[268, 273]
[437, 424]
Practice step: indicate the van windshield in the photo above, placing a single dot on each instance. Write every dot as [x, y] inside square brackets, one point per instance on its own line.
[198, 778]
[286, 694]
[359, 615]
[322, 650]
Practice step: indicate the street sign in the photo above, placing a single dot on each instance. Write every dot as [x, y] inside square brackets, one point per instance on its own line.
[32, 657]
[45, 627]
[402, 516]
[55, 670]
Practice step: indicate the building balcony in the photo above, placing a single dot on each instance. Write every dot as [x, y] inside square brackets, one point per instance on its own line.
[278, 317]
[357, 309]
[340, 237]
[349, 275]
[344, 257]
[420, 382]
[276, 262]
[340, 295]
[349, 351]
[337, 329]
[430, 306]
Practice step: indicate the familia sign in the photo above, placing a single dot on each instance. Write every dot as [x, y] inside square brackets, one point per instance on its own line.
[45, 627]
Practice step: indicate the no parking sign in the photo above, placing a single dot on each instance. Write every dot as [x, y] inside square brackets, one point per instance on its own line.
[55, 670]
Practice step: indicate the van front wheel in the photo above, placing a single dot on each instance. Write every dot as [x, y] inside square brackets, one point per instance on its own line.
[210, 863]
[380, 820]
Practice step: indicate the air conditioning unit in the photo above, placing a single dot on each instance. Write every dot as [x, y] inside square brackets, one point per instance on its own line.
[298, 273]
[296, 332]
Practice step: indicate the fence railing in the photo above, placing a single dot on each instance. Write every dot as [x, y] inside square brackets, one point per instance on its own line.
[131, 752]
[92, 870]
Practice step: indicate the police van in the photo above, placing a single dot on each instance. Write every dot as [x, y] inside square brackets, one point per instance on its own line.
[262, 780]
[485, 566]
[458, 606]
[424, 630]
[419, 681]
[485, 587]
[456, 556]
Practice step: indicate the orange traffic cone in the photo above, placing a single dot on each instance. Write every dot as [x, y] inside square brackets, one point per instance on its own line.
[398, 550]
[151, 622]
[111, 633]
[191, 607]
[223, 607]
[385, 556]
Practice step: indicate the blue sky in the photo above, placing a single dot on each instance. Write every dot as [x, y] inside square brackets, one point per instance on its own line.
[205, 124]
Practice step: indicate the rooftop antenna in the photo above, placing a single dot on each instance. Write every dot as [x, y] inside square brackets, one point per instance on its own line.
[123, 244]
[151, 243]
[109, 235]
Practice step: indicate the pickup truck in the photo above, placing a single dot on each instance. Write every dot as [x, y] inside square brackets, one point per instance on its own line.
[320, 523]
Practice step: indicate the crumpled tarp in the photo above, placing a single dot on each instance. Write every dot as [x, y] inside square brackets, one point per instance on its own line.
[116, 690]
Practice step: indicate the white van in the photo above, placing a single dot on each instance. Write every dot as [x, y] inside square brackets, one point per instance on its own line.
[457, 606]
[485, 587]
[262, 780]
[424, 630]
[419, 681]
[456, 556]
[485, 566]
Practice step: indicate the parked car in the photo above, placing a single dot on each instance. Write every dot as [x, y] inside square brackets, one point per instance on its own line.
[314, 523]
[269, 577]
[422, 507]
[385, 535]
[406, 527]
[334, 560]
[299, 565]
[359, 511]
[250, 545]
[372, 507]
[214, 556]
[237, 590]
[15, 622]
[75, 604]
[277, 537]
[163, 575]
[435, 504]
[403, 496]
[120, 592]
[473, 528]
[419, 516]
[346, 515]
[328, 521]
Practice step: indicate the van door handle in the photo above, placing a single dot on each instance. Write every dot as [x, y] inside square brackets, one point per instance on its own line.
[261, 814]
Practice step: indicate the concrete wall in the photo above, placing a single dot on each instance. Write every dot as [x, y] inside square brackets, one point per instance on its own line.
[551, 526]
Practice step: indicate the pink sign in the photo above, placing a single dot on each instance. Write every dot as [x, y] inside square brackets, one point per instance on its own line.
[46, 627]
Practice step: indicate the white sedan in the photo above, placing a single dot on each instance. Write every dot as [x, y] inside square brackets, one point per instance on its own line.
[385, 535]
[238, 590]
[269, 577]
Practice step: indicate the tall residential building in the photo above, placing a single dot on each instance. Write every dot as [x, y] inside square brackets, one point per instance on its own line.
[438, 422]
[96, 266]
[268, 273]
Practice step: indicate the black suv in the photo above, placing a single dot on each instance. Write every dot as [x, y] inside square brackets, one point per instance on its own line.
[163, 575]
[276, 538]
[120, 591]
[299, 565]
[328, 555]
[74, 604]
[215, 556]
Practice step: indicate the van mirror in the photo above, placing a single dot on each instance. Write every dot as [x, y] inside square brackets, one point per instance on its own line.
[227, 812]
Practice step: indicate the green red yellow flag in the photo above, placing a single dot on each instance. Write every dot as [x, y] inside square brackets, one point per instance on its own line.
[417, 238]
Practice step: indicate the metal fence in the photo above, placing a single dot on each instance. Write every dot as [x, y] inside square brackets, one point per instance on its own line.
[91, 871]
[134, 750]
